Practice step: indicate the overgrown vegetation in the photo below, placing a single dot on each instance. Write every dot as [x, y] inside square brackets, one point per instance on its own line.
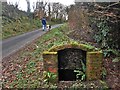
[98, 23]
[49, 77]
[106, 27]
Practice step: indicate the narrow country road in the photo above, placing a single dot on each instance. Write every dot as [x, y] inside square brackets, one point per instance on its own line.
[13, 44]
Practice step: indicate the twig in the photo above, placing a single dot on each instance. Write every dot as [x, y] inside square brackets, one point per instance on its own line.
[113, 4]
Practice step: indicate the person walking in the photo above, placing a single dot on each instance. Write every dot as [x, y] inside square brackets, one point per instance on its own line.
[43, 23]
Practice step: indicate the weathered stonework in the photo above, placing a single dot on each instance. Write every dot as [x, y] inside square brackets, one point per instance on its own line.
[72, 45]
[50, 61]
[93, 60]
[94, 65]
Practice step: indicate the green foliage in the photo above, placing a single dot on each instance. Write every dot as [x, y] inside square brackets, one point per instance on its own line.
[31, 67]
[103, 73]
[108, 52]
[105, 33]
[31, 64]
[49, 77]
[81, 72]
[105, 85]
[19, 75]
[102, 36]
[83, 66]
[117, 59]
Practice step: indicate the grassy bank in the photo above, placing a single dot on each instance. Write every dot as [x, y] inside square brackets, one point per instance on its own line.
[22, 25]
[19, 26]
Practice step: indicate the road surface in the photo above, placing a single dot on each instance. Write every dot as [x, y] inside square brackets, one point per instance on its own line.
[13, 44]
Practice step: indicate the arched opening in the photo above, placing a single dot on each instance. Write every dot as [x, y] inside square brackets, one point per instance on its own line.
[69, 60]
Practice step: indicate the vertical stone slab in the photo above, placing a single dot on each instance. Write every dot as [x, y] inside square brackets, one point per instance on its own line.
[94, 65]
[50, 62]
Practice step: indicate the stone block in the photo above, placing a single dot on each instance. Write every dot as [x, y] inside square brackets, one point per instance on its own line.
[50, 59]
[94, 65]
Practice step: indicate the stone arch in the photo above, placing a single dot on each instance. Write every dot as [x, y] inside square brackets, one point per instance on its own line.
[73, 45]
[93, 59]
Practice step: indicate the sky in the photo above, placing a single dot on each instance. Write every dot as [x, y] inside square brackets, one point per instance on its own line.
[23, 4]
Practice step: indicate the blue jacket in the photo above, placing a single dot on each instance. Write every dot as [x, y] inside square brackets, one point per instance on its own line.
[43, 21]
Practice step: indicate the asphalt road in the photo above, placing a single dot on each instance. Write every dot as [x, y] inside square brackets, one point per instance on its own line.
[13, 44]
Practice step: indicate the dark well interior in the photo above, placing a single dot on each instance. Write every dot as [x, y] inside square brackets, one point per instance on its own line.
[69, 59]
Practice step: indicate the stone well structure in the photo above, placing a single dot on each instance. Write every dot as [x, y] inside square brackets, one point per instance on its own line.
[93, 60]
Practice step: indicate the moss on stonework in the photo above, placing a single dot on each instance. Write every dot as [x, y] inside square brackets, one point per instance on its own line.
[46, 52]
[95, 57]
[82, 46]
[94, 65]
[95, 52]
[50, 60]
[72, 45]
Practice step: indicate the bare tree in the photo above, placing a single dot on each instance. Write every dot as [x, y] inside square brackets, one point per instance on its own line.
[33, 6]
[49, 11]
[59, 11]
[40, 9]
[16, 4]
[55, 10]
[28, 6]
